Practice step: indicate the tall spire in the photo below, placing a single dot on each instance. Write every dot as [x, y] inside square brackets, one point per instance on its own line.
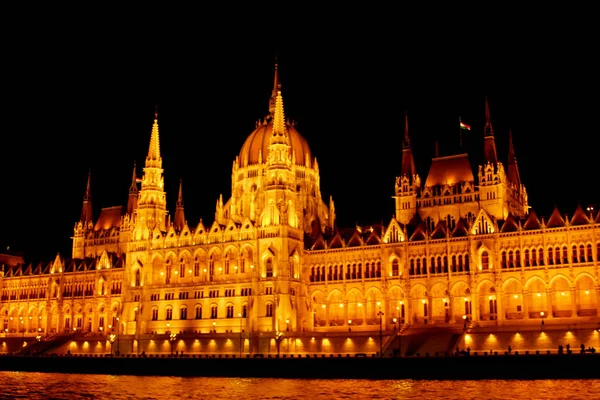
[133, 192]
[86, 209]
[408, 161]
[179, 222]
[151, 206]
[153, 159]
[513, 169]
[279, 130]
[489, 143]
[276, 89]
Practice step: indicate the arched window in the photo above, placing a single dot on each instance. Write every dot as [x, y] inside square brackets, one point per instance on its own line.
[198, 314]
[269, 267]
[211, 265]
[181, 267]
[168, 272]
[395, 269]
[485, 262]
[138, 280]
[269, 310]
[196, 267]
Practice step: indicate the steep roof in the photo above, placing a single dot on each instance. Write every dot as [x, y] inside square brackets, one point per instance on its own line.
[555, 220]
[449, 170]
[510, 224]
[110, 217]
[579, 217]
[532, 222]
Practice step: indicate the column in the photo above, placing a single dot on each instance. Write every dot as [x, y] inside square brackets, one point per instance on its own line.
[346, 317]
[525, 304]
[475, 306]
[573, 303]
[549, 312]
[451, 303]
[499, 307]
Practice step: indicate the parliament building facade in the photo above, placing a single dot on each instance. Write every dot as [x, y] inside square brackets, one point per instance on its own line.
[464, 251]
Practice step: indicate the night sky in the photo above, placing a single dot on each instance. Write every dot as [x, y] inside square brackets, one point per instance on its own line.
[70, 108]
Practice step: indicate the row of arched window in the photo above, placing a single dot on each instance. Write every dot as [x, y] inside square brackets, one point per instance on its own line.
[552, 256]
[438, 265]
[214, 312]
[349, 272]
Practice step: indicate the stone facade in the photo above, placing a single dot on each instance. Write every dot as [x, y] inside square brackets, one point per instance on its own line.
[460, 254]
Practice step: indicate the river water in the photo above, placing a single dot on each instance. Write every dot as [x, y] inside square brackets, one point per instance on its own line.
[37, 385]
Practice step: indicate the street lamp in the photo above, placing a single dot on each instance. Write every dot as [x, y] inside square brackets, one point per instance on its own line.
[380, 314]
[172, 339]
[214, 327]
[111, 339]
[118, 329]
[542, 315]
[278, 337]
[241, 344]
[349, 325]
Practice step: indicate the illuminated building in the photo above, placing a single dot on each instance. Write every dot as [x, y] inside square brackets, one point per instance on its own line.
[464, 250]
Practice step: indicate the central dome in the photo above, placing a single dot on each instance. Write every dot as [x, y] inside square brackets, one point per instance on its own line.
[258, 142]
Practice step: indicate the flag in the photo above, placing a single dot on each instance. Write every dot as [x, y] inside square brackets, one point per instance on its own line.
[464, 126]
[138, 180]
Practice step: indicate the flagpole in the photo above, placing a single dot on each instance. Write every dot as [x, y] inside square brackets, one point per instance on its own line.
[460, 132]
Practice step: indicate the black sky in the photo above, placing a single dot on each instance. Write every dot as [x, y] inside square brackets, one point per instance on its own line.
[73, 106]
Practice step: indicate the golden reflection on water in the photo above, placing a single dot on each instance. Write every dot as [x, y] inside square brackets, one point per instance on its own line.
[34, 386]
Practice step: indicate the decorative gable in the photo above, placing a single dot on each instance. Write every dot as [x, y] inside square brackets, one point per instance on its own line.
[394, 233]
[215, 233]
[419, 233]
[460, 230]
[103, 262]
[200, 235]
[555, 220]
[336, 242]
[231, 232]
[57, 266]
[510, 224]
[373, 239]
[247, 230]
[319, 244]
[532, 222]
[579, 217]
[484, 224]
[440, 230]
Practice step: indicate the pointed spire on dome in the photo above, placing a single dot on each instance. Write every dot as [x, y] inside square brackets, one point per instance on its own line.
[153, 158]
[86, 209]
[276, 89]
[489, 143]
[279, 129]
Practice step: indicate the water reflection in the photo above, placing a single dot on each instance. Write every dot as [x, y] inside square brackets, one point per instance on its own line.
[34, 386]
